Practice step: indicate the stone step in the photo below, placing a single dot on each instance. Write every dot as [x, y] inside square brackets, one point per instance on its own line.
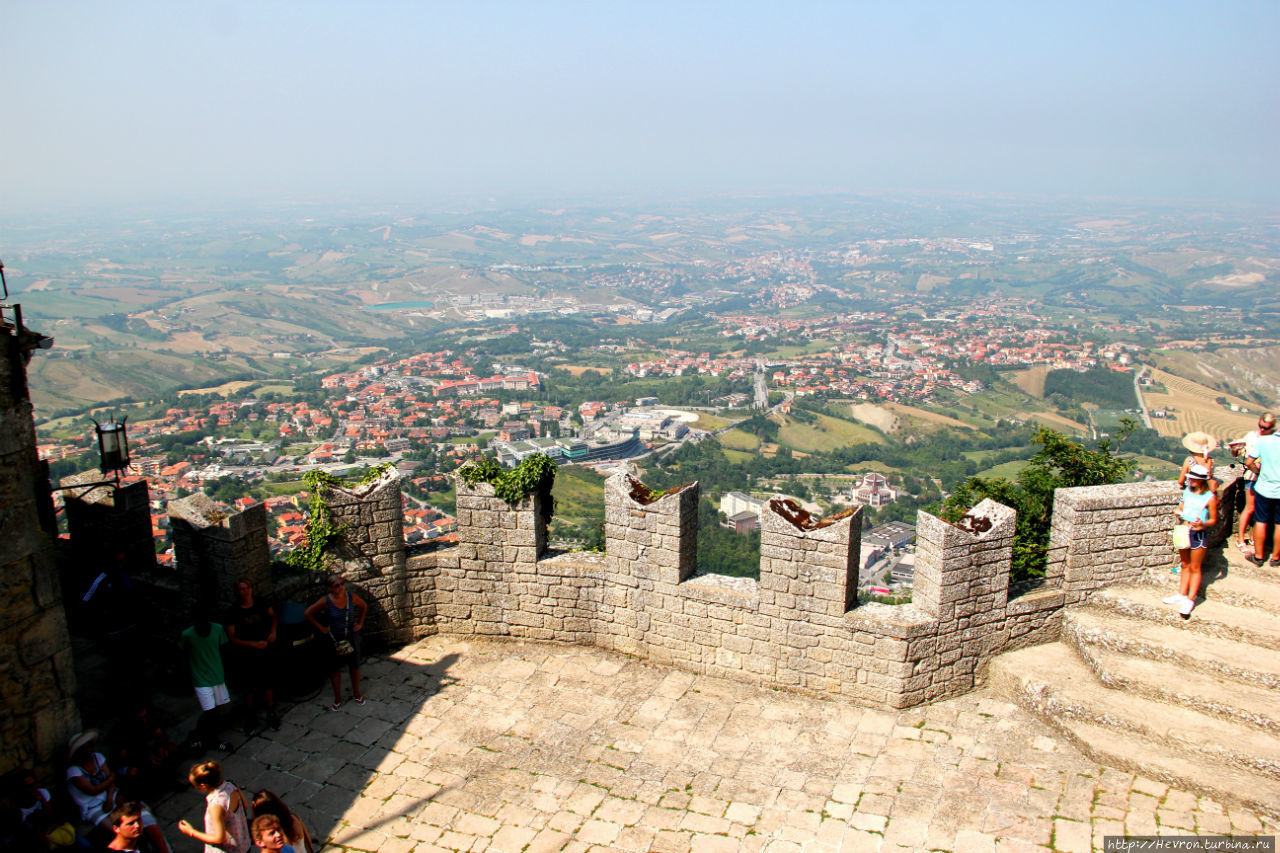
[1172, 683]
[1212, 617]
[1173, 766]
[1054, 683]
[1242, 588]
[1174, 644]
[1235, 560]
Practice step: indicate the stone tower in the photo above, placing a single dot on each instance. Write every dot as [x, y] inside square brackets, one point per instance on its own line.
[37, 679]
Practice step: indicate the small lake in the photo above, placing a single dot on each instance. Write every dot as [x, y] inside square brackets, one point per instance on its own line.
[393, 306]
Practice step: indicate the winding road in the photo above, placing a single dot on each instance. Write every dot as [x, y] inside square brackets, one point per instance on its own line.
[1137, 391]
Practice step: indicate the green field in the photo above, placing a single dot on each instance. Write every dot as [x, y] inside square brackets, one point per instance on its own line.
[738, 457]
[1008, 470]
[49, 304]
[873, 465]
[478, 438]
[445, 500]
[794, 351]
[981, 456]
[275, 388]
[736, 439]
[1159, 468]
[285, 487]
[579, 494]
[993, 404]
[711, 422]
[1109, 419]
[825, 433]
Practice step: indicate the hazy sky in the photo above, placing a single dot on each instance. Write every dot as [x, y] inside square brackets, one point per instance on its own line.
[215, 102]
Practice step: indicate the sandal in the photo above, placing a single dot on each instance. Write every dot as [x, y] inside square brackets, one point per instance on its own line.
[1245, 547]
[359, 700]
[336, 706]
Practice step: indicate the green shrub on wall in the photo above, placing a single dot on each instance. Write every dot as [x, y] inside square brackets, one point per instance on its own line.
[535, 474]
[322, 535]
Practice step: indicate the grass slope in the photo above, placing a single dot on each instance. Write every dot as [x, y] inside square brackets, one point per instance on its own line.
[825, 433]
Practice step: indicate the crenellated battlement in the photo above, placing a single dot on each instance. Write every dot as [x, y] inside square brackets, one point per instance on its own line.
[800, 626]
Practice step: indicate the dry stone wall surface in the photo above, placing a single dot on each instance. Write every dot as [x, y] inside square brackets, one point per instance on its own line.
[372, 556]
[212, 551]
[1104, 535]
[104, 521]
[37, 678]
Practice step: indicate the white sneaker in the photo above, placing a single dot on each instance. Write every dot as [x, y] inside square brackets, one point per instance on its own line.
[1173, 599]
[1187, 606]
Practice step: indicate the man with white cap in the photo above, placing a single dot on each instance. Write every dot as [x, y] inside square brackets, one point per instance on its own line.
[1264, 460]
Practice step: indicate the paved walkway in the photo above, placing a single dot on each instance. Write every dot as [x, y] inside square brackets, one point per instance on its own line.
[488, 745]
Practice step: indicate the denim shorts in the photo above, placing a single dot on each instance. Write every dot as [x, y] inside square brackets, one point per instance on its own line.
[1265, 510]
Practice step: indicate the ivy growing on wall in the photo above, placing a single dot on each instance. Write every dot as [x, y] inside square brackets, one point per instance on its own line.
[534, 475]
[322, 534]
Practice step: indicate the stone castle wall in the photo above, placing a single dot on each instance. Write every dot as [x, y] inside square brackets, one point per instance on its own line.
[372, 556]
[799, 626]
[1105, 535]
[105, 521]
[212, 552]
[37, 676]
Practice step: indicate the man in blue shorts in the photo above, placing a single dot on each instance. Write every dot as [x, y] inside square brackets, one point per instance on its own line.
[1265, 461]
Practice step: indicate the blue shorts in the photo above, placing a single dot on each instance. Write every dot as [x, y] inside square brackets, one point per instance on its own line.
[1197, 539]
[1265, 510]
[1248, 485]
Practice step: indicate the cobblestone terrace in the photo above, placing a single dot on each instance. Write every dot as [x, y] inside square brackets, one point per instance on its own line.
[491, 745]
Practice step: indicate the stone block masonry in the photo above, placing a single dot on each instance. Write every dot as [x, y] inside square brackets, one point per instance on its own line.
[798, 627]
[372, 555]
[37, 678]
[1105, 535]
[213, 550]
[104, 521]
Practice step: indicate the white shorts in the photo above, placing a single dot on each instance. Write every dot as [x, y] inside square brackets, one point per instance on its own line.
[211, 697]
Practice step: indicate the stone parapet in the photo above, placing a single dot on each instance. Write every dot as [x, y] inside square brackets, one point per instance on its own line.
[799, 627]
[1105, 535]
[807, 564]
[212, 550]
[961, 586]
[371, 554]
[104, 521]
[649, 536]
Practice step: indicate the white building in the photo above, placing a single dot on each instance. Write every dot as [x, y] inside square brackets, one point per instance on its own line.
[874, 491]
[735, 502]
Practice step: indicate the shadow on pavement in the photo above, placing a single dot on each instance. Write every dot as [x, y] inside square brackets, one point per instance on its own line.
[321, 761]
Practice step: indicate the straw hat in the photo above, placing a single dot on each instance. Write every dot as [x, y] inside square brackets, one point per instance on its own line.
[1199, 442]
[80, 739]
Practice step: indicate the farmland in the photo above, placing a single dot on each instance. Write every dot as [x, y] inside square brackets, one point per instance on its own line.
[1193, 407]
[1032, 379]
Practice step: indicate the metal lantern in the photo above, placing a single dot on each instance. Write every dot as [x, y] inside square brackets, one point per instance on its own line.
[113, 445]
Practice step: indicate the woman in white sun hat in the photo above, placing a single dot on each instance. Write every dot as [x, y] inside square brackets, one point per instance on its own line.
[1201, 445]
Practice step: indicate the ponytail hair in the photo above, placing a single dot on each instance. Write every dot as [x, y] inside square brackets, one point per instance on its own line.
[207, 773]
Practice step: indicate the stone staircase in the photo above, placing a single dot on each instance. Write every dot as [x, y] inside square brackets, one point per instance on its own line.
[1194, 703]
